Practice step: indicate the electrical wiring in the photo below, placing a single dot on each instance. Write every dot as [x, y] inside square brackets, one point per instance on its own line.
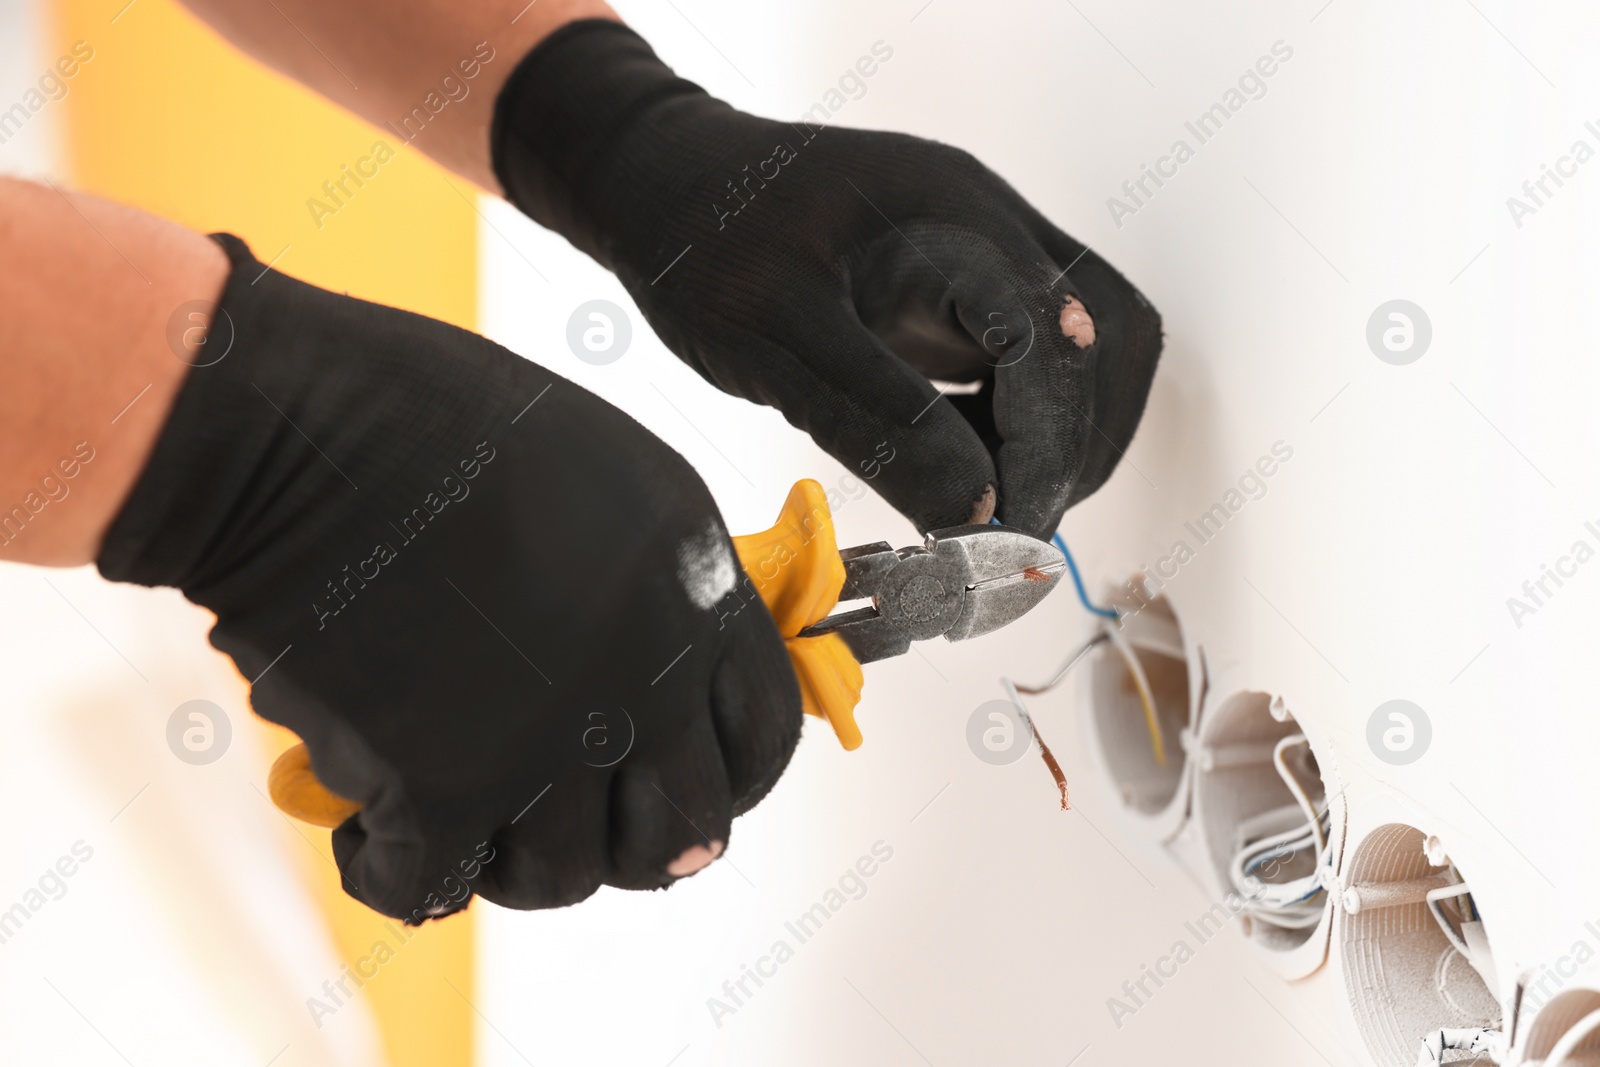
[1293, 904]
[1298, 791]
[1304, 920]
[1077, 580]
[1014, 691]
[1111, 633]
[1045, 754]
[1260, 859]
[1435, 899]
[1141, 683]
[1281, 903]
[1264, 851]
[1072, 661]
[1135, 669]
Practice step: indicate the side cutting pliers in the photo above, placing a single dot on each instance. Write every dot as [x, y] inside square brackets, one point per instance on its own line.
[835, 610]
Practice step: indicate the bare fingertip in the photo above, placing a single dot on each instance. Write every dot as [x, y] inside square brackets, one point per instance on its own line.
[1076, 323]
[694, 858]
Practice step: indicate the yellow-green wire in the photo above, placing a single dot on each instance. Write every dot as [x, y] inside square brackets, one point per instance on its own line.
[1158, 747]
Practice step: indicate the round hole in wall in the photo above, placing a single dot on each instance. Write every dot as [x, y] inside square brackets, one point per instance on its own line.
[1411, 967]
[1143, 752]
[1259, 837]
[1562, 1022]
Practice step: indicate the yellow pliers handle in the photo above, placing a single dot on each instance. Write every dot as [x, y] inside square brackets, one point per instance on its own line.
[796, 570]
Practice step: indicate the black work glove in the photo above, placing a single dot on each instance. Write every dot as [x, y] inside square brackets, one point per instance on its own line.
[831, 273]
[483, 597]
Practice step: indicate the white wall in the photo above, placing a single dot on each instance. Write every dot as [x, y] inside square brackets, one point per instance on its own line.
[1418, 499]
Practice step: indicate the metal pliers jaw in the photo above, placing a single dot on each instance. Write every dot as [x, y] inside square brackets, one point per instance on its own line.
[964, 581]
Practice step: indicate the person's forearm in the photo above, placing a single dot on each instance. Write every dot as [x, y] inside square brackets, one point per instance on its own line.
[91, 290]
[427, 71]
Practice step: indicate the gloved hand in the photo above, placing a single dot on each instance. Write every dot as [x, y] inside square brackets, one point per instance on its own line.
[831, 273]
[484, 598]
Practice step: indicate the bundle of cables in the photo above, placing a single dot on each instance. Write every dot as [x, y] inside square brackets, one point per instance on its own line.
[1281, 876]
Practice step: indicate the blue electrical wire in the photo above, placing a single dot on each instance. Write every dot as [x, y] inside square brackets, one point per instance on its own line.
[1077, 580]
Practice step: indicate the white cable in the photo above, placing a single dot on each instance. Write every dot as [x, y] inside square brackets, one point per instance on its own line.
[1285, 894]
[1298, 837]
[1280, 896]
[1014, 694]
[1306, 920]
[1298, 790]
[1070, 662]
[1022, 709]
[1283, 903]
[1563, 1049]
[1434, 897]
[1287, 905]
[1014, 691]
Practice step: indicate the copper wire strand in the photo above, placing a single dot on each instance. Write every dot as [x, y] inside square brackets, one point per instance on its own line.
[1014, 691]
[1044, 749]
